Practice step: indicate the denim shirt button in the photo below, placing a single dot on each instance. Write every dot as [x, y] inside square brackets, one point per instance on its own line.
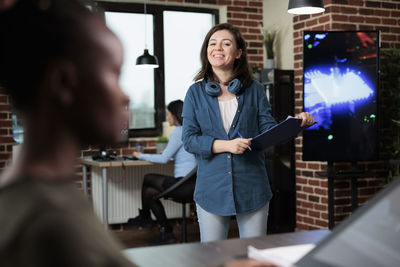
[229, 156]
[233, 126]
[229, 172]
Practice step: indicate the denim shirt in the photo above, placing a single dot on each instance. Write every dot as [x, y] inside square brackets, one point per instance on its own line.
[227, 184]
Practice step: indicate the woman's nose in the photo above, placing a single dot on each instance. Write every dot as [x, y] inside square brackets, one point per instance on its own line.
[218, 46]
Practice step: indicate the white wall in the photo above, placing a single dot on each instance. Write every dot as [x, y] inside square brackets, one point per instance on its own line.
[276, 17]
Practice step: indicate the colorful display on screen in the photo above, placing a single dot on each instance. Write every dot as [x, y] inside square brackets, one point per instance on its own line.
[340, 91]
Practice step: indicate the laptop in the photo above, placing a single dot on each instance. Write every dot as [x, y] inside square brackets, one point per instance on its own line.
[369, 237]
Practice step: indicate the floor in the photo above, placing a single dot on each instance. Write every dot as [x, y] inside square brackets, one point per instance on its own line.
[133, 237]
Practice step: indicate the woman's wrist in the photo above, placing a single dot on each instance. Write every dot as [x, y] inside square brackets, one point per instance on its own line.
[220, 146]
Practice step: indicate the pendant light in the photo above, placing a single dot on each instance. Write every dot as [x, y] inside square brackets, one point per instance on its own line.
[146, 60]
[302, 7]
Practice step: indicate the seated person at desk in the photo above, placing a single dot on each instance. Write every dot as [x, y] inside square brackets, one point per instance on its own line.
[59, 65]
[154, 184]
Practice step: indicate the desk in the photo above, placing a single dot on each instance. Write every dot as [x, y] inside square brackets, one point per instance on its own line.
[116, 188]
[214, 253]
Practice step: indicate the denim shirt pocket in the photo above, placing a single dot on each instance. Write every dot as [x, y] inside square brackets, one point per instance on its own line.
[249, 114]
[204, 120]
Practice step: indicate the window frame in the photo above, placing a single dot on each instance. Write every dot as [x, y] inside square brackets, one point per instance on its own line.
[157, 11]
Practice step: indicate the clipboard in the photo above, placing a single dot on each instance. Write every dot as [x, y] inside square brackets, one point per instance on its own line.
[287, 129]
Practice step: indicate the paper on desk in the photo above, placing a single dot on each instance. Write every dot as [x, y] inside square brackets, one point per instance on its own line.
[281, 256]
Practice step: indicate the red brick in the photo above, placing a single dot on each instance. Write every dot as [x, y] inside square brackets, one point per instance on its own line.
[366, 11]
[255, 17]
[382, 13]
[320, 191]
[311, 22]
[252, 10]
[373, 20]
[348, 10]
[314, 182]
[366, 27]
[299, 25]
[301, 180]
[239, 3]
[305, 204]
[395, 14]
[389, 5]
[301, 211]
[299, 218]
[235, 22]
[341, 26]
[314, 214]
[313, 199]
[251, 23]
[323, 19]
[224, 2]
[308, 220]
[339, 17]
[389, 21]
[320, 207]
[301, 165]
[234, 8]
[388, 37]
[321, 223]
[372, 4]
[357, 19]
[239, 15]
[308, 189]
[250, 37]
[301, 226]
[256, 4]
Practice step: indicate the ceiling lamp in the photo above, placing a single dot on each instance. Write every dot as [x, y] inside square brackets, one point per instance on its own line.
[146, 60]
[302, 7]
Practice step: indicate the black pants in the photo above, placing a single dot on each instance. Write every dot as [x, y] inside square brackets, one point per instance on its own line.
[154, 184]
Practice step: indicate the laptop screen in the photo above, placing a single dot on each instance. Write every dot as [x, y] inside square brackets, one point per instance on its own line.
[370, 237]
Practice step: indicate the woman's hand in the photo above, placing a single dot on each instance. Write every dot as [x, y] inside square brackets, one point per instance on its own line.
[235, 146]
[239, 145]
[307, 119]
[136, 154]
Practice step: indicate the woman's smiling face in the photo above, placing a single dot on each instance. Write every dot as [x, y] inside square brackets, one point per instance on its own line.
[222, 50]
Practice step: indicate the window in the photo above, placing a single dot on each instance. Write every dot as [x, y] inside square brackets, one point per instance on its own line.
[175, 35]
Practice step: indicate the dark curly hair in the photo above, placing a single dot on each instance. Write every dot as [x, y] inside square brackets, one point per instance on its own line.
[35, 33]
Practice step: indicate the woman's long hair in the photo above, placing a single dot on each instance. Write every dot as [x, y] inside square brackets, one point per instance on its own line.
[175, 107]
[241, 69]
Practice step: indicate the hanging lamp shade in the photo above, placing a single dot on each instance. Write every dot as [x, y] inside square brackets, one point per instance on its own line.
[302, 7]
[146, 60]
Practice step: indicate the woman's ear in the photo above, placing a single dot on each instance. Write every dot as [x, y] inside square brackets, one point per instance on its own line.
[239, 53]
[62, 82]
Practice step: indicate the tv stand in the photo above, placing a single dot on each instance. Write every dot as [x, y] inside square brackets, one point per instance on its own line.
[353, 173]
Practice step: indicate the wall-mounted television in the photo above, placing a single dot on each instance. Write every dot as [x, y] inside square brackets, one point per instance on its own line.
[340, 85]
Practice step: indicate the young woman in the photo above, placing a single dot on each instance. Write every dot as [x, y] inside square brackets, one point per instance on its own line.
[60, 66]
[222, 106]
[154, 184]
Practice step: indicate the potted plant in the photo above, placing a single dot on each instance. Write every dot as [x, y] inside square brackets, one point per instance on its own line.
[269, 41]
[162, 142]
[390, 113]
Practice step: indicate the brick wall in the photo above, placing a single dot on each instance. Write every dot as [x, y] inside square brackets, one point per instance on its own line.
[247, 15]
[312, 207]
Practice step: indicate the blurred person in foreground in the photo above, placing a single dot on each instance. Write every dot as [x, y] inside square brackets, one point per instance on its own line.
[60, 66]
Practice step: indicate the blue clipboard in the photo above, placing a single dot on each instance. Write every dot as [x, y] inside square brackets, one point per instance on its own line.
[287, 129]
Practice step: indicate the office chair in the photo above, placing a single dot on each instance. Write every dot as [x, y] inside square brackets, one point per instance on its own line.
[190, 181]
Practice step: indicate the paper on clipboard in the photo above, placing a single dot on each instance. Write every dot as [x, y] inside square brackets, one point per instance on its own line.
[289, 128]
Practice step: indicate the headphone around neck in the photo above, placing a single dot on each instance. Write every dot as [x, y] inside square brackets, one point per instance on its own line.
[213, 88]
